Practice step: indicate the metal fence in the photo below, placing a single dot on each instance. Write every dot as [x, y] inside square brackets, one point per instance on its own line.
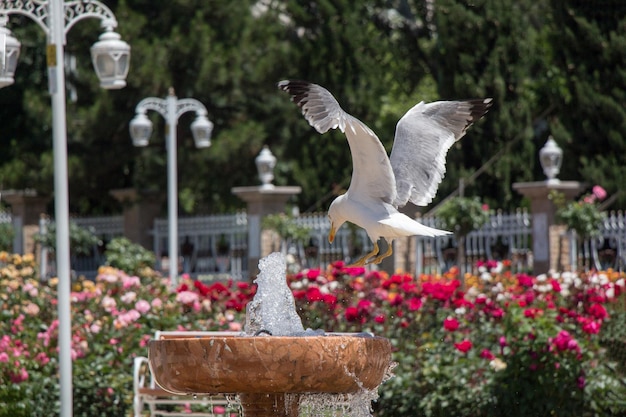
[217, 245]
[209, 245]
[105, 228]
[504, 236]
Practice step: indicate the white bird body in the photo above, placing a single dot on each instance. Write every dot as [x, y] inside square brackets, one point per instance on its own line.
[380, 183]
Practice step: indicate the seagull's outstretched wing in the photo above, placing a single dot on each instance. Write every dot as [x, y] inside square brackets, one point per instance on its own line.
[372, 176]
[423, 137]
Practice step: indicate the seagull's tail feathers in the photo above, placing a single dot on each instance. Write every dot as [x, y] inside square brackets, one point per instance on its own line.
[406, 226]
[422, 230]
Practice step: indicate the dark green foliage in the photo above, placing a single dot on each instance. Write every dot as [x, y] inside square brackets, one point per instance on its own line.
[552, 66]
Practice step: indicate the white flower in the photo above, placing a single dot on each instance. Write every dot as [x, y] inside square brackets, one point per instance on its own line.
[542, 277]
[460, 311]
[485, 276]
[497, 364]
[129, 297]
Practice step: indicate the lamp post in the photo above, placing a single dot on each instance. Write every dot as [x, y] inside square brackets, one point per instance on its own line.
[110, 57]
[140, 130]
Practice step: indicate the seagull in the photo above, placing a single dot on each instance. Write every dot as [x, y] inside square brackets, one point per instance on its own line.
[381, 184]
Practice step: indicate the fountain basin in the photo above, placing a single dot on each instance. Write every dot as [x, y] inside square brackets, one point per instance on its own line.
[269, 364]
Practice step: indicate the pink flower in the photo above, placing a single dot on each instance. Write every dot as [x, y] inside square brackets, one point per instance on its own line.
[20, 376]
[142, 306]
[463, 346]
[128, 282]
[591, 327]
[450, 324]
[4, 357]
[599, 192]
[218, 409]
[187, 297]
[42, 358]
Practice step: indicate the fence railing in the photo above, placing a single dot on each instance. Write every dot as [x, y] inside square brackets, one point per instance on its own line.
[218, 244]
[209, 245]
[504, 236]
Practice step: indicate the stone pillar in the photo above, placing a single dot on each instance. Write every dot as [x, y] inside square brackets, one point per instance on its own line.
[140, 210]
[29, 207]
[262, 200]
[543, 213]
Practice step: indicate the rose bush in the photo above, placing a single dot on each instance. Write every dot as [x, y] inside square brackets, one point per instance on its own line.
[510, 345]
[513, 345]
[112, 320]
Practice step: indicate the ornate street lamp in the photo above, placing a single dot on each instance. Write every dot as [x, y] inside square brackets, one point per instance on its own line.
[56, 18]
[140, 130]
[550, 157]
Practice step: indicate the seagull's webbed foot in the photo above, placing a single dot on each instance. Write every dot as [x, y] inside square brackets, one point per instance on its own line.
[363, 260]
[387, 253]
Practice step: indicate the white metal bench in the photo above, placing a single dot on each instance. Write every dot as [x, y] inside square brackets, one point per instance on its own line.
[147, 393]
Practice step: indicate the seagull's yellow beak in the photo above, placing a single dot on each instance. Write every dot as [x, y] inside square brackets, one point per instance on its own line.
[331, 234]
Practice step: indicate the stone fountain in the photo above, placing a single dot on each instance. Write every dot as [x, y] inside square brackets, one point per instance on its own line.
[275, 365]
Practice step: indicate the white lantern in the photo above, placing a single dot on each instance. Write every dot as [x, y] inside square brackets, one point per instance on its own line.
[9, 52]
[201, 129]
[111, 58]
[550, 157]
[140, 129]
[265, 164]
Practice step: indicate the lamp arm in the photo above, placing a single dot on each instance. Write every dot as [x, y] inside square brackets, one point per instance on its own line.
[190, 104]
[152, 103]
[38, 11]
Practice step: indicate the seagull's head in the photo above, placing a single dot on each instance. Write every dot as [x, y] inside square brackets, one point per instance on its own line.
[336, 217]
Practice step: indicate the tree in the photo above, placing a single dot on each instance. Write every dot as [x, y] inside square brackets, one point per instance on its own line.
[589, 90]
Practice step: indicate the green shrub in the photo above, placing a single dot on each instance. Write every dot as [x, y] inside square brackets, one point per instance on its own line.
[6, 237]
[123, 254]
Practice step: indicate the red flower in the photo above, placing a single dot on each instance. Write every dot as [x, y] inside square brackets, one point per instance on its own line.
[329, 299]
[497, 313]
[313, 294]
[532, 312]
[463, 346]
[379, 319]
[598, 311]
[556, 287]
[450, 324]
[352, 314]
[525, 280]
[415, 304]
[486, 354]
[313, 273]
[395, 299]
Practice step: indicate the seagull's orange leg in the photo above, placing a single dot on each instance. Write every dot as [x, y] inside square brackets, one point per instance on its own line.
[363, 260]
[379, 258]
